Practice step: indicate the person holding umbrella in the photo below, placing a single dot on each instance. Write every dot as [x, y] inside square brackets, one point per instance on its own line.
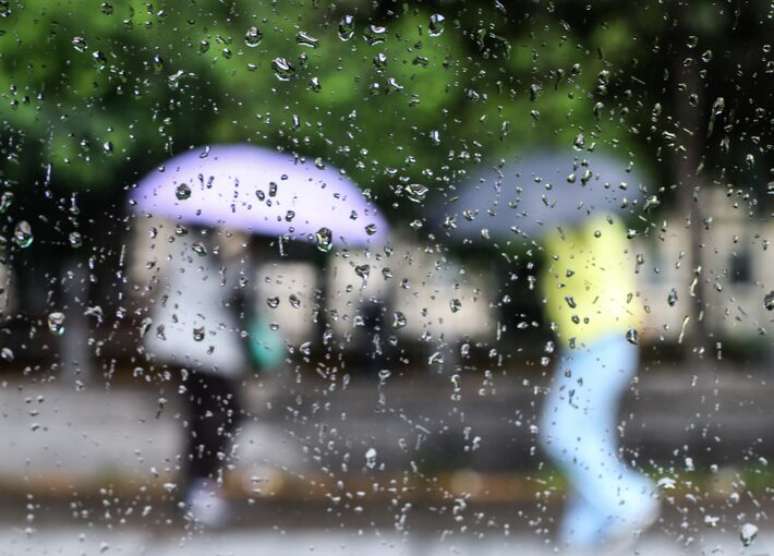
[198, 211]
[589, 288]
[194, 333]
[572, 203]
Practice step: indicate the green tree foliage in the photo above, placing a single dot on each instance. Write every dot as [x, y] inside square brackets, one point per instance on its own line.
[105, 92]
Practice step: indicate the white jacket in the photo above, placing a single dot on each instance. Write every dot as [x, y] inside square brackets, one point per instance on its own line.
[195, 324]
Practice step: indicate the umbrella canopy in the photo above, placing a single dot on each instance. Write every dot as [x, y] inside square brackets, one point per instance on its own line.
[264, 192]
[537, 192]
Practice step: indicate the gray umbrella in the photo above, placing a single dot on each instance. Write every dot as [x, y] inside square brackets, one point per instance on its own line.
[538, 192]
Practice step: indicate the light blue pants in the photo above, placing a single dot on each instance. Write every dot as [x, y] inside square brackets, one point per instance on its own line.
[579, 432]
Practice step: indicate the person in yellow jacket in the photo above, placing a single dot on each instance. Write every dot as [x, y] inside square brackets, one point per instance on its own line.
[589, 291]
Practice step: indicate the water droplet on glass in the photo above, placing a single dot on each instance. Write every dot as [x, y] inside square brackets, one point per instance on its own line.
[79, 44]
[363, 271]
[455, 305]
[416, 192]
[253, 37]
[182, 192]
[346, 27]
[97, 313]
[672, 297]
[56, 323]
[199, 249]
[324, 240]
[282, 69]
[632, 336]
[768, 301]
[370, 457]
[198, 333]
[436, 25]
[370, 229]
[6, 200]
[399, 320]
[666, 483]
[380, 60]
[75, 239]
[22, 234]
[305, 39]
[158, 63]
[273, 302]
[375, 34]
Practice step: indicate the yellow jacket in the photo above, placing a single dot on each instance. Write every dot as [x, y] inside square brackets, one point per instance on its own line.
[589, 281]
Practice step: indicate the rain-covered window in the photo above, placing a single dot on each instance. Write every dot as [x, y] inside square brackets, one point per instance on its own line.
[443, 277]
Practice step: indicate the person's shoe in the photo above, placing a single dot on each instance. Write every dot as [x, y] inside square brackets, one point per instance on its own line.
[205, 505]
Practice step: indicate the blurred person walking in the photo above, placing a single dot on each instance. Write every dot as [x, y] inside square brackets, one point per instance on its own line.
[570, 204]
[213, 199]
[589, 288]
[197, 314]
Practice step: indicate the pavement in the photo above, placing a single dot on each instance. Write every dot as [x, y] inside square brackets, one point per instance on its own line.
[77, 541]
[54, 435]
[454, 469]
[471, 531]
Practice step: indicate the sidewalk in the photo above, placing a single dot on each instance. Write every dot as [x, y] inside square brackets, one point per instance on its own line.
[72, 540]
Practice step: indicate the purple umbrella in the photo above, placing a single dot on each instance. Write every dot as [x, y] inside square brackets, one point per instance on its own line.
[261, 192]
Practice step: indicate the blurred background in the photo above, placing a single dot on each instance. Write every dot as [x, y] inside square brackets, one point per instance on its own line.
[401, 414]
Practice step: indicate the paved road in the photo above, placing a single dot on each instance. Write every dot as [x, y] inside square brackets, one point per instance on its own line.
[687, 527]
[51, 430]
[67, 541]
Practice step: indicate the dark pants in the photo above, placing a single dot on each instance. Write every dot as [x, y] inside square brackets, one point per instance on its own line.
[213, 415]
